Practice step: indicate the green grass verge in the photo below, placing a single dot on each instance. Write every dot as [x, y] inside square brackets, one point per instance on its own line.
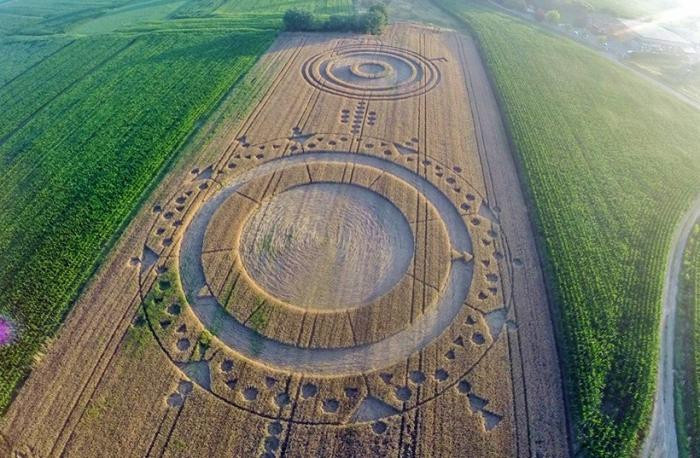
[610, 163]
[280, 6]
[687, 351]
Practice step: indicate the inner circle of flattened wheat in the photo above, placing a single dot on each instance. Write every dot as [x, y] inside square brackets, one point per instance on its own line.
[326, 246]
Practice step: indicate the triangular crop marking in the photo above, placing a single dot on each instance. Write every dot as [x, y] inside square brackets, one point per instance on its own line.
[404, 150]
[372, 408]
[461, 256]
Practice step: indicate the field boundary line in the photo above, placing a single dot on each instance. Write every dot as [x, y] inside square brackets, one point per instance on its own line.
[157, 433]
[133, 305]
[172, 429]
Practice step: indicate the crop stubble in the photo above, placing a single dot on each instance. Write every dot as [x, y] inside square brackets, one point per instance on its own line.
[456, 357]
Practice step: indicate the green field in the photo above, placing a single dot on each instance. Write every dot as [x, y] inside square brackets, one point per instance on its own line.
[18, 55]
[280, 6]
[47, 17]
[611, 163]
[687, 350]
[41, 18]
[98, 97]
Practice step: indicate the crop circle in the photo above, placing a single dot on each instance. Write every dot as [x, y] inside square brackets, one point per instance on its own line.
[366, 72]
[371, 69]
[212, 324]
[326, 246]
[238, 334]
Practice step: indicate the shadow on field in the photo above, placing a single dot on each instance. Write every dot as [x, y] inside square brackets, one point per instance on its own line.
[219, 46]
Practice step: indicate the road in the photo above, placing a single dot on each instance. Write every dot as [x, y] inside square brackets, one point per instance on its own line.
[661, 440]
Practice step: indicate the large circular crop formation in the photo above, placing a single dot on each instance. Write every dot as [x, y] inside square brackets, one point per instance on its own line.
[297, 280]
[326, 246]
[377, 72]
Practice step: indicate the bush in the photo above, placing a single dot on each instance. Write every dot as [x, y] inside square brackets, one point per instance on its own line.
[375, 20]
[379, 10]
[299, 21]
[553, 16]
[340, 23]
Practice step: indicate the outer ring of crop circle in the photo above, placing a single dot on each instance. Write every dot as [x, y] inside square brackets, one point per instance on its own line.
[320, 361]
[277, 144]
[431, 74]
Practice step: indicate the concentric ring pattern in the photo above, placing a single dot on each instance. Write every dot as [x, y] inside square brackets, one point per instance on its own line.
[371, 73]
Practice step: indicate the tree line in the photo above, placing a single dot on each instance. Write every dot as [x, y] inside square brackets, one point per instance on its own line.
[372, 22]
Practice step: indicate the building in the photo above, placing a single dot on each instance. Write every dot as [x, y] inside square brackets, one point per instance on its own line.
[650, 37]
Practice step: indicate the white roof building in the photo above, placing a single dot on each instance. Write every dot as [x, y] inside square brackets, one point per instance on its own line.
[652, 35]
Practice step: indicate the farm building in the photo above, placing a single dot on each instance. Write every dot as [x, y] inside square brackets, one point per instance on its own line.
[650, 37]
[629, 35]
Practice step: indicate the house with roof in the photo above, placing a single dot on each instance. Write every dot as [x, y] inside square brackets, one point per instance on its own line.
[650, 37]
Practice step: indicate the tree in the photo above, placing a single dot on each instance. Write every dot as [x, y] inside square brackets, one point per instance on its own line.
[546, 5]
[296, 20]
[339, 23]
[379, 9]
[577, 12]
[375, 19]
[553, 16]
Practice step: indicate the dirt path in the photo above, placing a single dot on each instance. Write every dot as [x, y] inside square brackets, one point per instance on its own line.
[661, 440]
